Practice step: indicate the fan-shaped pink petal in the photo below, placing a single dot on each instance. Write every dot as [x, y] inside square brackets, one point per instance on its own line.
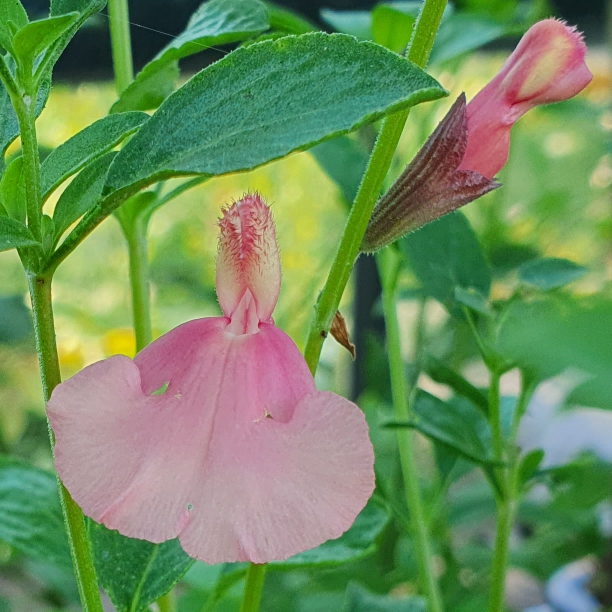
[239, 456]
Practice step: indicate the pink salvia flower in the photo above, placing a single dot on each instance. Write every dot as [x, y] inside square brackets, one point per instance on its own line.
[215, 433]
[547, 66]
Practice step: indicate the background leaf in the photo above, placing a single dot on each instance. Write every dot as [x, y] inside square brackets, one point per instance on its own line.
[83, 193]
[357, 542]
[134, 573]
[30, 513]
[277, 97]
[216, 22]
[15, 319]
[446, 254]
[13, 11]
[91, 142]
[550, 273]
[359, 600]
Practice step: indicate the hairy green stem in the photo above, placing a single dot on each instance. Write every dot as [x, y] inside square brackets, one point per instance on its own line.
[78, 540]
[253, 587]
[369, 190]
[135, 232]
[388, 266]
[119, 18]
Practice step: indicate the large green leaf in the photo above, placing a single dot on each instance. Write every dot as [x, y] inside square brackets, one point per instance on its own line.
[357, 599]
[134, 573]
[264, 101]
[12, 190]
[216, 22]
[446, 254]
[355, 543]
[95, 140]
[12, 18]
[14, 235]
[552, 333]
[37, 36]
[83, 193]
[550, 272]
[30, 513]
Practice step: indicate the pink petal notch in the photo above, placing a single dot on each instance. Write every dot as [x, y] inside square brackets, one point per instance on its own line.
[215, 433]
[459, 160]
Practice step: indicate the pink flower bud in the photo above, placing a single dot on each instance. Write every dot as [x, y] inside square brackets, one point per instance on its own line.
[248, 267]
[546, 66]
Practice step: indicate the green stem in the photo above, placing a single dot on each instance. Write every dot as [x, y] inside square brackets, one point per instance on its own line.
[388, 265]
[78, 541]
[135, 231]
[506, 509]
[369, 190]
[494, 418]
[119, 18]
[253, 587]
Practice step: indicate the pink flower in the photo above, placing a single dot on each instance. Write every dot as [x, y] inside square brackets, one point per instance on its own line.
[458, 161]
[546, 66]
[215, 433]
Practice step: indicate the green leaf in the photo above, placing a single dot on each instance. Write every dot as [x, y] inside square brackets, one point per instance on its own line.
[555, 332]
[264, 101]
[355, 23]
[9, 126]
[446, 254]
[135, 573]
[30, 513]
[355, 543]
[286, 21]
[216, 22]
[344, 161]
[82, 194]
[358, 599]
[149, 89]
[392, 28]
[90, 143]
[529, 465]
[456, 426]
[14, 235]
[12, 17]
[550, 273]
[37, 36]
[473, 300]
[12, 190]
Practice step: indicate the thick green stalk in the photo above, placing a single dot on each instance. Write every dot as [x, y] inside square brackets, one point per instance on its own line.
[78, 541]
[388, 264]
[121, 45]
[253, 587]
[369, 190]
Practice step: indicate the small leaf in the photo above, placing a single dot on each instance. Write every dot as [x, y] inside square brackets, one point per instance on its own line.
[30, 513]
[216, 22]
[82, 194]
[529, 464]
[357, 599]
[37, 36]
[277, 97]
[90, 143]
[446, 424]
[47, 227]
[12, 190]
[355, 543]
[135, 573]
[392, 28]
[473, 300]
[11, 13]
[550, 273]
[14, 235]
[446, 254]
